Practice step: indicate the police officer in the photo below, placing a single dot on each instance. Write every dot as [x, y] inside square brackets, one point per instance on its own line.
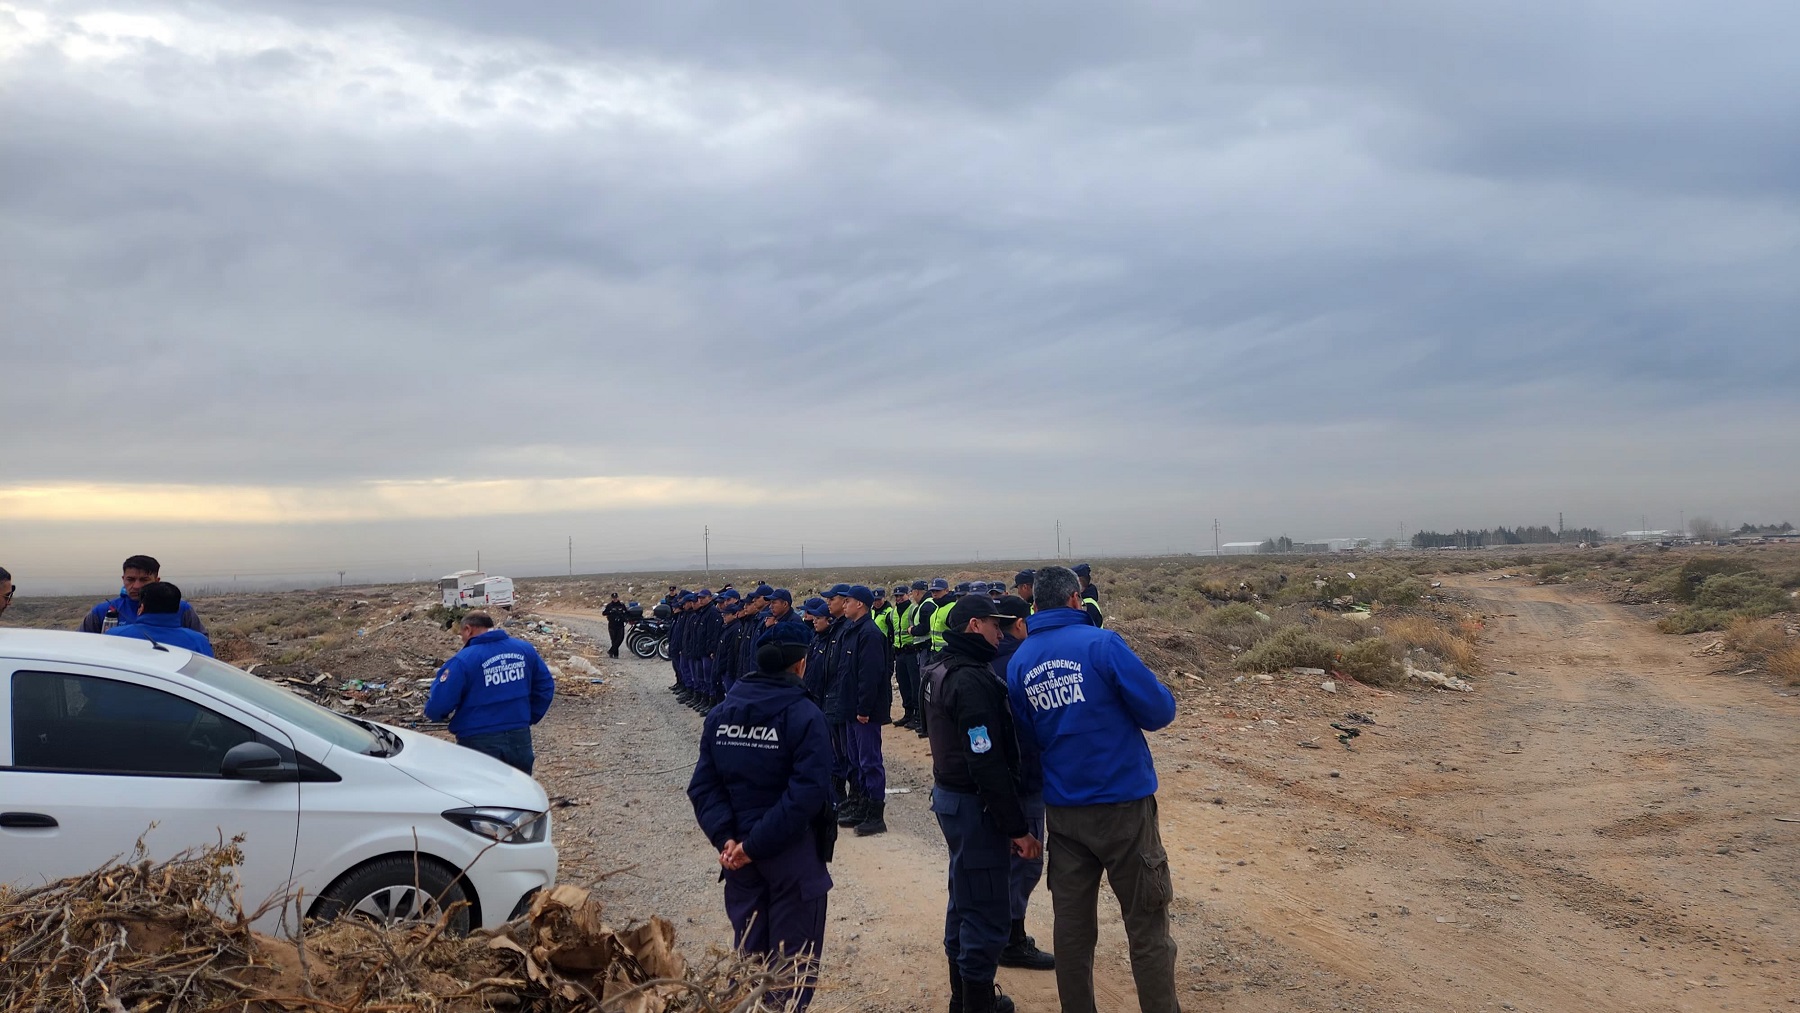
[1022, 584]
[707, 627]
[492, 692]
[928, 633]
[838, 702]
[906, 652]
[615, 624]
[1090, 595]
[684, 612]
[818, 653]
[864, 664]
[974, 767]
[1025, 873]
[761, 791]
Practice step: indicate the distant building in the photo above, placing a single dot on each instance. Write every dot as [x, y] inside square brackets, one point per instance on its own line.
[1646, 536]
[1347, 544]
[1240, 548]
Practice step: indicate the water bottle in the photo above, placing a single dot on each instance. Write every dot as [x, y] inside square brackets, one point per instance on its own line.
[111, 620]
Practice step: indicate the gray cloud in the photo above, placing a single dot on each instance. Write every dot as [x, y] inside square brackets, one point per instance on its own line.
[1308, 269]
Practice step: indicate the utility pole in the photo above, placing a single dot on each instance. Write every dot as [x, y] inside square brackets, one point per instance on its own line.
[1559, 525]
[802, 557]
[1058, 551]
[1216, 536]
[478, 560]
[340, 578]
[706, 534]
[571, 555]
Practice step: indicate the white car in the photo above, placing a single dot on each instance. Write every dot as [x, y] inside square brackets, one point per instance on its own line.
[103, 737]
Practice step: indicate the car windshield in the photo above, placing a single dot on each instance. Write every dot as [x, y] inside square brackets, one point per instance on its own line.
[329, 725]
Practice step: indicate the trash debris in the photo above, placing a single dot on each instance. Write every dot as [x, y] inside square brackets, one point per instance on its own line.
[1329, 686]
[580, 665]
[1307, 671]
[1438, 679]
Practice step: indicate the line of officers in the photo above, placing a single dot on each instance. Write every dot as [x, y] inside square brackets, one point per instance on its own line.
[795, 697]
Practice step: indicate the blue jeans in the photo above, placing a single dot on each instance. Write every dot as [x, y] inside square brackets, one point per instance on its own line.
[512, 748]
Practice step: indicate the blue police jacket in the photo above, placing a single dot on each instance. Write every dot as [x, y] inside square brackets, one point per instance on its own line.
[128, 613]
[164, 628]
[1086, 700]
[678, 634]
[706, 631]
[838, 698]
[495, 684]
[866, 657]
[764, 772]
[1031, 765]
[818, 664]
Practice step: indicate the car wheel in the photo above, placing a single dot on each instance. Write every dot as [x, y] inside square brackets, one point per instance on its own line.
[396, 890]
[662, 648]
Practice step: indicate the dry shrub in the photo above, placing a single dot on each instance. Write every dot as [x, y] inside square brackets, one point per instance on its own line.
[1785, 664]
[1755, 638]
[1373, 660]
[1289, 647]
[1428, 633]
[1235, 614]
[1334, 626]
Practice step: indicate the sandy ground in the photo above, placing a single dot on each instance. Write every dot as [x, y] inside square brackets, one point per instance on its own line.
[1598, 827]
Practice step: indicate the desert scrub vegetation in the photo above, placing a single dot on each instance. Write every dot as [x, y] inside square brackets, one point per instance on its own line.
[1290, 647]
[1721, 599]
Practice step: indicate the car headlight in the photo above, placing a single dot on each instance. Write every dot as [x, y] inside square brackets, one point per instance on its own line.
[508, 826]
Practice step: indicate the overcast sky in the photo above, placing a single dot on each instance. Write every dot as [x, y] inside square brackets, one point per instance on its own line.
[293, 287]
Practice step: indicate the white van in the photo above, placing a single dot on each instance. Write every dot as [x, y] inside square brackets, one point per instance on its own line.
[101, 737]
[474, 589]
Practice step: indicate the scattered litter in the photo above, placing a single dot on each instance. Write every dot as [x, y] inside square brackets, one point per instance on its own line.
[1438, 679]
[899, 791]
[1307, 671]
[1329, 686]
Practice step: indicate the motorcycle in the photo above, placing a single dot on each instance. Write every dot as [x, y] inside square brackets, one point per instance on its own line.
[649, 638]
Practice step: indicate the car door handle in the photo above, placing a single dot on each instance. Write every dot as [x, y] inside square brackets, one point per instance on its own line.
[31, 821]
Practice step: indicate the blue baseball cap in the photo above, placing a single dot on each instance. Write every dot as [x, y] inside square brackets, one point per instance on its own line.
[978, 586]
[1082, 569]
[786, 632]
[921, 585]
[878, 590]
[900, 589]
[729, 605]
[838, 590]
[862, 594]
[762, 591]
[688, 596]
[939, 584]
[781, 594]
[815, 607]
[1024, 577]
[730, 594]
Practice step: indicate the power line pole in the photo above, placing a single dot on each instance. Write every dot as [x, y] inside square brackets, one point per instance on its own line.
[706, 533]
[477, 559]
[802, 557]
[340, 578]
[571, 555]
[1058, 551]
[1216, 536]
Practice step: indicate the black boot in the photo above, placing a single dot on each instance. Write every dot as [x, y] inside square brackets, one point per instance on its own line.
[851, 812]
[873, 819]
[956, 988]
[1021, 951]
[984, 997]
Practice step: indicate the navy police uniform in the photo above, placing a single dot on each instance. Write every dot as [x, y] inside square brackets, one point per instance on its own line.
[763, 780]
[974, 766]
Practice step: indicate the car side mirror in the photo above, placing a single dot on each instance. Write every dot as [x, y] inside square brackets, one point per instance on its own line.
[256, 761]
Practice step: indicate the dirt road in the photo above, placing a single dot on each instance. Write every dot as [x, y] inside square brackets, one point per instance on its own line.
[1594, 828]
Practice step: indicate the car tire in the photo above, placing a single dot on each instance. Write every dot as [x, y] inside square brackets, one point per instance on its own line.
[396, 889]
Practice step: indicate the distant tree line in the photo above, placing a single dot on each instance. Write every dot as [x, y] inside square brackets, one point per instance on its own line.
[1766, 529]
[1525, 535]
[1282, 544]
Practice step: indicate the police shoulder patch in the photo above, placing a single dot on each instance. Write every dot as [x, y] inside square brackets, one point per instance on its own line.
[979, 742]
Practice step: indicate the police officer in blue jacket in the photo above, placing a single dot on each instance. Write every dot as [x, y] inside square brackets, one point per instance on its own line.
[492, 692]
[1085, 700]
[138, 573]
[818, 653]
[762, 793]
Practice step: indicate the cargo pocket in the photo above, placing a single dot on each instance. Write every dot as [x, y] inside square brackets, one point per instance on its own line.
[1155, 888]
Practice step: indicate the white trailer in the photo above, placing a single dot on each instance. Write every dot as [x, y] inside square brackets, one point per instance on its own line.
[474, 589]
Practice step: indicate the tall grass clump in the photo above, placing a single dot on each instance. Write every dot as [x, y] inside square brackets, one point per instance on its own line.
[1289, 647]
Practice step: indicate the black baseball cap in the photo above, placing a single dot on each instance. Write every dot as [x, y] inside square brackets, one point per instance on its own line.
[974, 606]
